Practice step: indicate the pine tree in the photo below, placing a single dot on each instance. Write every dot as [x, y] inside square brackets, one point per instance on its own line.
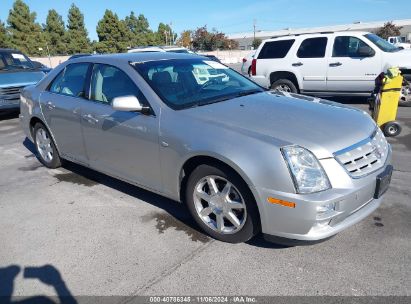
[165, 35]
[4, 37]
[112, 33]
[77, 40]
[26, 34]
[140, 33]
[55, 31]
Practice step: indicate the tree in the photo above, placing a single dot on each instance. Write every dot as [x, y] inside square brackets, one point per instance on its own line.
[77, 40]
[185, 39]
[112, 33]
[55, 31]
[4, 36]
[256, 43]
[165, 34]
[140, 32]
[25, 34]
[210, 41]
[388, 30]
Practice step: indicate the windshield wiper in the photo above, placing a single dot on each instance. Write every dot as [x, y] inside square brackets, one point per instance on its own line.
[249, 92]
[224, 98]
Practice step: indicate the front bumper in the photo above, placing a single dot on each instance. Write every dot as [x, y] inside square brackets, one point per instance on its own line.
[10, 104]
[353, 200]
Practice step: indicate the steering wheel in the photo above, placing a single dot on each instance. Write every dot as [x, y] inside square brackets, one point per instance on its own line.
[209, 82]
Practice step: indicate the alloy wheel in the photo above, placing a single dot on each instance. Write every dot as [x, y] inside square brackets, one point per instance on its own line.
[219, 204]
[43, 143]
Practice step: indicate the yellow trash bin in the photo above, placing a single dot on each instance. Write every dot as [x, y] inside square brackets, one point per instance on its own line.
[386, 102]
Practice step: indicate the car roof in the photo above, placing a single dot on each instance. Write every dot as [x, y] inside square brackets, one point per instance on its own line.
[9, 50]
[134, 57]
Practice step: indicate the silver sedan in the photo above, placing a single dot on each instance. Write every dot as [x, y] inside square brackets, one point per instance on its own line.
[243, 159]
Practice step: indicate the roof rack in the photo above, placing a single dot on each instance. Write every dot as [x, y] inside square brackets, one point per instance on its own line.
[300, 34]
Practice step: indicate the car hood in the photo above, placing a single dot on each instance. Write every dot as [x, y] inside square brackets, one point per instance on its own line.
[19, 78]
[401, 59]
[321, 126]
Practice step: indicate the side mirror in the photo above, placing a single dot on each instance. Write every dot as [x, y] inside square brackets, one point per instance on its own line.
[366, 51]
[37, 65]
[129, 104]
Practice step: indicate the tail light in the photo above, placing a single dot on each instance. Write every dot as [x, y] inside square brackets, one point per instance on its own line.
[254, 67]
[244, 60]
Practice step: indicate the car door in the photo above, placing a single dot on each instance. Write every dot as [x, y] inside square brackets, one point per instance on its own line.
[61, 107]
[122, 144]
[311, 64]
[353, 66]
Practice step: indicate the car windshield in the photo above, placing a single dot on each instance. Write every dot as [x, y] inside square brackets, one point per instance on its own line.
[14, 61]
[184, 83]
[382, 44]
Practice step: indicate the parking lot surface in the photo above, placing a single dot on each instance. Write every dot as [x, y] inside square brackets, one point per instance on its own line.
[106, 237]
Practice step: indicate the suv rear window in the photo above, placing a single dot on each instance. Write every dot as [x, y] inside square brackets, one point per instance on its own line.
[312, 48]
[275, 49]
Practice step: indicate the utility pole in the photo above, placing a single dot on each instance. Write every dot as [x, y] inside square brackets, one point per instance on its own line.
[254, 25]
[171, 33]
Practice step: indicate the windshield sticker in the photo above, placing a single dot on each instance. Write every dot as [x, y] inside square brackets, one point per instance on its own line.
[215, 64]
[18, 56]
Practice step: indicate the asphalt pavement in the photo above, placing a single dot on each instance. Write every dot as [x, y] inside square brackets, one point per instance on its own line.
[101, 236]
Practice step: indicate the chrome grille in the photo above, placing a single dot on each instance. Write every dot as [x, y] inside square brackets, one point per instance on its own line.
[364, 157]
[10, 90]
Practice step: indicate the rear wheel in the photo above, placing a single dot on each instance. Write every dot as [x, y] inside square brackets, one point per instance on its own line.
[284, 85]
[222, 204]
[46, 149]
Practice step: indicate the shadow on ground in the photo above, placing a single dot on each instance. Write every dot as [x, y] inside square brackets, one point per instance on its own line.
[177, 216]
[46, 274]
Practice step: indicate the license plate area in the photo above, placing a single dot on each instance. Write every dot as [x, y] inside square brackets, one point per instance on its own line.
[383, 182]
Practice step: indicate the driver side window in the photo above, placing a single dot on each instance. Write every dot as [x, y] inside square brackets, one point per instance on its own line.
[109, 82]
[347, 46]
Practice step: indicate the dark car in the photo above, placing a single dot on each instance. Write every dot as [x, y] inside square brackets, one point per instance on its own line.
[16, 72]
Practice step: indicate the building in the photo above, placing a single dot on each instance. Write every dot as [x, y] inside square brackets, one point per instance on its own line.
[245, 40]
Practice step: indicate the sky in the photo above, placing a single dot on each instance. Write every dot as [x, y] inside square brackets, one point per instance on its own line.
[228, 16]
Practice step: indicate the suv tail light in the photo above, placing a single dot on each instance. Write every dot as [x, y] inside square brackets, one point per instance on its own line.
[244, 60]
[254, 67]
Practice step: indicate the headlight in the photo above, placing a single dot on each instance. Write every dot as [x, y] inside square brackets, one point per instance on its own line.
[307, 173]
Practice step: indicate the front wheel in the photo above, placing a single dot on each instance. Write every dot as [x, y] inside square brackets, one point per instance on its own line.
[46, 149]
[222, 204]
[284, 85]
[405, 97]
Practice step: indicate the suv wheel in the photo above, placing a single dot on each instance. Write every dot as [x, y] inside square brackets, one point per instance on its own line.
[46, 149]
[284, 85]
[222, 204]
[405, 98]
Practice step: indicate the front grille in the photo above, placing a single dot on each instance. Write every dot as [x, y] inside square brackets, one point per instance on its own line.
[10, 90]
[364, 157]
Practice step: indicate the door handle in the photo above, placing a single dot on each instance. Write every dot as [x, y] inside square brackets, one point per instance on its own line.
[90, 118]
[335, 64]
[297, 64]
[50, 105]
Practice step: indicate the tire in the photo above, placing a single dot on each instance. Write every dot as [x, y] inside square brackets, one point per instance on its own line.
[284, 85]
[217, 209]
[46, 149]
[405, 97]
[391, 129]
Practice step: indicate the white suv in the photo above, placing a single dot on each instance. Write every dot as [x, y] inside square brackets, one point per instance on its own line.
[328, 64]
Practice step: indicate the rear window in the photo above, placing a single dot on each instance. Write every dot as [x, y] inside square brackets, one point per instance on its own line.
[312, 48]
[275, 49]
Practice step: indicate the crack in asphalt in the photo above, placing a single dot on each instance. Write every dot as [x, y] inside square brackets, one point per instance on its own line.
[164, 274]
